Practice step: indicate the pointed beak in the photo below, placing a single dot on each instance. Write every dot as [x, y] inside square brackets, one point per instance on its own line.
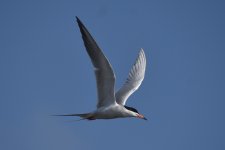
[141, 116]
[145, 118]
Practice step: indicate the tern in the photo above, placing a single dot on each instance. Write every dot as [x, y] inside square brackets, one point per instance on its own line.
[111, 104]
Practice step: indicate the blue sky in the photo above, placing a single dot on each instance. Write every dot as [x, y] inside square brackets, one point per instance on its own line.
[45, 70]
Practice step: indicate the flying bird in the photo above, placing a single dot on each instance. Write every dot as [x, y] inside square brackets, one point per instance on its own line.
[111, 104]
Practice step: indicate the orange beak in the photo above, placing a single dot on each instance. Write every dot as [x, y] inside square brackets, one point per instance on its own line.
[141, 116]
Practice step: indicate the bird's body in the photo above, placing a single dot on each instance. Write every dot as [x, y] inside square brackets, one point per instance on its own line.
[108, 112]
[111, 104]
[112, 111]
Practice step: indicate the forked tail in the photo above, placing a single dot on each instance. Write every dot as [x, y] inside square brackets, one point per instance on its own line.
[88, 116]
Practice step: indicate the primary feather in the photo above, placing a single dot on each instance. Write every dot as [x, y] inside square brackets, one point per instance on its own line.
[135, 77]
[105, 77]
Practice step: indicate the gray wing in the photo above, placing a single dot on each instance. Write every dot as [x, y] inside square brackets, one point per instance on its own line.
[105, 77]
[136, 76]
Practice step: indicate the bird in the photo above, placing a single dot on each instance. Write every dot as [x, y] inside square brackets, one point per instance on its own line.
[111, 104]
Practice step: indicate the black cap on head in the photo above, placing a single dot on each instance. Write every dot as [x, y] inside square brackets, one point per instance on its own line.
[131, 109]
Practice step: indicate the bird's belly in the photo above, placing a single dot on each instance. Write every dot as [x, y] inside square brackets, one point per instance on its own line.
[109, 113]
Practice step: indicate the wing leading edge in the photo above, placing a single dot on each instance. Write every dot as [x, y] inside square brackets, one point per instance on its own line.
[104, 74]
[134, 80]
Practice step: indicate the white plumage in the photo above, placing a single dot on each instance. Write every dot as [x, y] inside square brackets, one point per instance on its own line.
[135, 77]
[110, 104]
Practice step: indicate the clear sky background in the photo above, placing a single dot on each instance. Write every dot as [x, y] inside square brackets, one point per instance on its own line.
[44, 70]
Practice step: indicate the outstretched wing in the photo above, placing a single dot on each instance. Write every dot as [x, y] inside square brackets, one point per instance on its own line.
[105, 77]
[136, 76]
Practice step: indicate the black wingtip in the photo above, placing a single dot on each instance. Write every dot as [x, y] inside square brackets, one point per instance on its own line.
[78, 21]
[80, 24]
[77, 18]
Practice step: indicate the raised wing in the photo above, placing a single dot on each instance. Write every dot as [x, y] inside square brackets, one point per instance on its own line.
[105, 77]
[136, 76]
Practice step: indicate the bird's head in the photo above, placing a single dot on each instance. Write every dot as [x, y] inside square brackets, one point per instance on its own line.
[135, 113]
